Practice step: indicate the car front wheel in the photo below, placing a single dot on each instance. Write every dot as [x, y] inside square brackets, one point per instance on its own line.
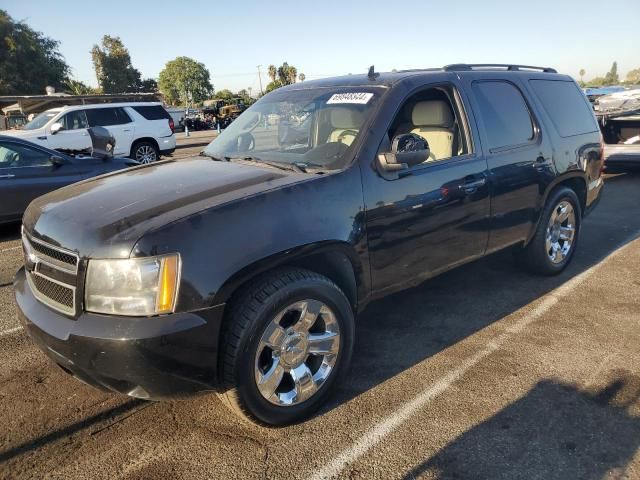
[145, 152]
[287, 340]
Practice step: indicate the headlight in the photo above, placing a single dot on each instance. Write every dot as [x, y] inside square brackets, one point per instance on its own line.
[134, 286]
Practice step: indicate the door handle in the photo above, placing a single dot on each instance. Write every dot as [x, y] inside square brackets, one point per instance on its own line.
[8, 175]
[42, 138]
[470, 186]
[127, 130]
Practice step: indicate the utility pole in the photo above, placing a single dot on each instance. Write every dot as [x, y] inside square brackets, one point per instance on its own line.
[260, 79]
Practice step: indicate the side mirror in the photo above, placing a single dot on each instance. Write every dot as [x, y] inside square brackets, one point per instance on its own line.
[407, 150]
[56, 161]
[55, 128]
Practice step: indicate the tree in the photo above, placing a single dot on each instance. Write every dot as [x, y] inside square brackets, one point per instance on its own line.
[113, 67]
[148, 85]
[302, 77]
[272, 72]
[581, 72]
[184, 80]
[272, 86]
[225, 94]
[285, 74]
[611, 78]
[76, 87]
[633, 76]
[29, 61]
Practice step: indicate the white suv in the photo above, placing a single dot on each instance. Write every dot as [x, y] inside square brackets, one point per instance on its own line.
[143, 130]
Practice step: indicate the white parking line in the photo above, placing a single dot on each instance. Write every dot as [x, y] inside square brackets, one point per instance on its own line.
[10, 331]
[379, 431]
[10, 248]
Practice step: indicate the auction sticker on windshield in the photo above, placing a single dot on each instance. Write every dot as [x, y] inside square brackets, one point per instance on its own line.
[352, 97]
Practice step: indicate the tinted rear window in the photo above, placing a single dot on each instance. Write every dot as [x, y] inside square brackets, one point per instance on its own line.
[504, 113]
[566, 106]
[103, 117]
[155, 112]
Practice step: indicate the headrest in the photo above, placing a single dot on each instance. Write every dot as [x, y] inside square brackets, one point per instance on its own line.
[342, 117]
[432, 113]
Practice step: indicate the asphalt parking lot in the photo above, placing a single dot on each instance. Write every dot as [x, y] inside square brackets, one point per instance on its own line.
[485, 372]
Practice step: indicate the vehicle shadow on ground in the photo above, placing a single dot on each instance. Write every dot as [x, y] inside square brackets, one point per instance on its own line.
[402, 330]
[555, 431]
[123, 411]
[10, 231]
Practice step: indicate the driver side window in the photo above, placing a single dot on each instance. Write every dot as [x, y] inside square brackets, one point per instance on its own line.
[18, 156]
[75, 120]
[432, 114]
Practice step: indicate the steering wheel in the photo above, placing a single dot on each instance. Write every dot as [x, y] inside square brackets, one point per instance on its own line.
[346, 133]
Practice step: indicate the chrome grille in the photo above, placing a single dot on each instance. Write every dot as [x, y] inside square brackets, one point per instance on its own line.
[51, 273]
[55, 294]
[56, 255]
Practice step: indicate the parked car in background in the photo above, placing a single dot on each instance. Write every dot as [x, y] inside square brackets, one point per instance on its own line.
[28, 170]
[619, 118]
[143, 130]
[247, 278]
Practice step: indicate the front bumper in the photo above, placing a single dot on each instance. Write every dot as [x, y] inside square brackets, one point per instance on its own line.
[156, 358]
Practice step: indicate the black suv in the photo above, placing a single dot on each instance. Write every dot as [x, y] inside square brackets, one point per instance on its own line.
[241, 271]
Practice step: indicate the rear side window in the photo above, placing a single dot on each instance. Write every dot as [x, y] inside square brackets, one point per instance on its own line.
[154, 112]
[566, 106]
[504, 113]
[103, 117]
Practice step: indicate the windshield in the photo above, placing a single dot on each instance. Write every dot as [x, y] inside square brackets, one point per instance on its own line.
[307, 128]
[40, 120]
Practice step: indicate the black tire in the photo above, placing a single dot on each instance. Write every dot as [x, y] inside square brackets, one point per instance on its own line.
[250, 311]
[145, 151]
[534, 256]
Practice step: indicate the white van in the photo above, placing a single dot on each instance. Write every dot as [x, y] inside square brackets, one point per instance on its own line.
[143, 130]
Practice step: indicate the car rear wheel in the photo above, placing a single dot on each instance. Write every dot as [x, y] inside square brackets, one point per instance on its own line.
[145, 152]
[555, 240]
[287, 340]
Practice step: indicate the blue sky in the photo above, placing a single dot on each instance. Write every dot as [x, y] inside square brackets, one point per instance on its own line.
[337, 37]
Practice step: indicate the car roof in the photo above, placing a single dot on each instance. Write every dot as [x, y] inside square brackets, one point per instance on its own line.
[106, 105]
[389, 79]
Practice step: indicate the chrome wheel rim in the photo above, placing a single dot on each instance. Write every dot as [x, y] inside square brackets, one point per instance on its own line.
[145, 154]
[561, 232]
[297, 352]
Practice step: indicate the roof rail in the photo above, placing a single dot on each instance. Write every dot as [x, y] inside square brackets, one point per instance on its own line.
[465, 67]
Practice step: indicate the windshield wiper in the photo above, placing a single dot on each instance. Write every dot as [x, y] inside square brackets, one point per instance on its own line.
[280, 165]
[213, 157]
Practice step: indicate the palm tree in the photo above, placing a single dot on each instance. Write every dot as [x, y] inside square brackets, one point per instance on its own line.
[273, 72]
[581, 72]
[302, 77]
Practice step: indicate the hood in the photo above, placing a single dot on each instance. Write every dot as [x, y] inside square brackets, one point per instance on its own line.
[22, 133]
[104, 217]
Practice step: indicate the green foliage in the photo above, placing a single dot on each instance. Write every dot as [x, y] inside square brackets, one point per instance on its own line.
[633, 77]
[225, 94]
[612, 75]
[113, 67]
[285, 74]
[76, 87]
[29, 61]
[272, 86]
[148, 85]
[185, 80]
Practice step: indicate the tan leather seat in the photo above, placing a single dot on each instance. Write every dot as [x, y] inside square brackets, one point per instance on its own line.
[345, 124]
[433, 120]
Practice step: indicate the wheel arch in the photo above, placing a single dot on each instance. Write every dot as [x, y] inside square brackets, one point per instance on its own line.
[144, 139]
[335, 260]
[576, 181]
